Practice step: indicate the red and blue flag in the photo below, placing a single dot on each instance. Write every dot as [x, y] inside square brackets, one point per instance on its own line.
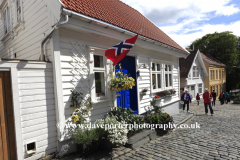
[118, 52]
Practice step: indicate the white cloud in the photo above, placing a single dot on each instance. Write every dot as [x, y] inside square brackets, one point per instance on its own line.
[179, 17]
[186, 39]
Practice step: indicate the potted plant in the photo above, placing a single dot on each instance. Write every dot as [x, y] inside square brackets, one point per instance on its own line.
[172, 91]
[167, 93]
[121, 82]
[159, 95]
[237, 99]
[144, 91]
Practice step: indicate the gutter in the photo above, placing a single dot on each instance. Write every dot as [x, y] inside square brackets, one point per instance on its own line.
[43, 43]
[107, 25]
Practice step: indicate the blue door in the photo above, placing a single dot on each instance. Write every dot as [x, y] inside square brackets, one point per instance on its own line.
[128, 98]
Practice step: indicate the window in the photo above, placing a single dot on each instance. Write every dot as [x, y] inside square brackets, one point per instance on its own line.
[6, 17]
[212, 74]
[156, 76]
[195, 72]
[216, 74]
[18, 10]
[217, 90]
[199, 88]
[220, 75]
[213, 88]
[99, 76]
[168, 75]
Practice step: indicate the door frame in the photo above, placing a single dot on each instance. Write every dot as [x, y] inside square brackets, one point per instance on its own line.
[12, 68]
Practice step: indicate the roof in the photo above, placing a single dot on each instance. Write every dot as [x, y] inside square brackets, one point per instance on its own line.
[185, 64]
[210, 60]
[121, 15]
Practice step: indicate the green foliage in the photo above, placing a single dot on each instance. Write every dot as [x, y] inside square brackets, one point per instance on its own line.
[121, 82]
[158, 118]
[225, 47]
[86, 137]
[156, 108]
[237, 97]
[80, 106]
[123, 114]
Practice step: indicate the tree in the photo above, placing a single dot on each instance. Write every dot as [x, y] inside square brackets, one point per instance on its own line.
[225, 47]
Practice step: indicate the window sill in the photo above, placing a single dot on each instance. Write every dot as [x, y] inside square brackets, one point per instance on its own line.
[104, 99]
[20, 26]
[7, 37]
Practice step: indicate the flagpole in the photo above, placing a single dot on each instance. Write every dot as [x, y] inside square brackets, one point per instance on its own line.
[140, 32]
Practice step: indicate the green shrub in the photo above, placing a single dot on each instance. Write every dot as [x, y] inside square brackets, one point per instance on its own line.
[126, 115]
[86, 137]
[237, 97]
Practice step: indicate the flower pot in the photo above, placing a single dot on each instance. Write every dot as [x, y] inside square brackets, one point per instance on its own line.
[105, 145]
[160, 132]
[143, 93]
[89, 150]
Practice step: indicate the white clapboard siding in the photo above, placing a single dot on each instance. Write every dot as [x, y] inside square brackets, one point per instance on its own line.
[37, 109]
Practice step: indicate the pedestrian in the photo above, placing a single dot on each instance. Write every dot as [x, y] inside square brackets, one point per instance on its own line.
[198, 98]
[214, 95]
[207, 96]
[222, 98]
[186, 98]
[227, 97]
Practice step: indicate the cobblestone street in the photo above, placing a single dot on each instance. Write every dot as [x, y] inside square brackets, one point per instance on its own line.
[218, 137]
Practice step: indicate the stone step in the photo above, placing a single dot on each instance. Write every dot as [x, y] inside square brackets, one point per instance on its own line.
[138, 136]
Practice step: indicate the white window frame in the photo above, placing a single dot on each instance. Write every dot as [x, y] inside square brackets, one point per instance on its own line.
[6, 19]
[16, 11]
[201, 88]
[168, 73]
[106, 69]
[195, 72]
[156, 72]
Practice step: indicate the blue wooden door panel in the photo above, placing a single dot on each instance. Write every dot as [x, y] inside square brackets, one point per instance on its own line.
[128, 98]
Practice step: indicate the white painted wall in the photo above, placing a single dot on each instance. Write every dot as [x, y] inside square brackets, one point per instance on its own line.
[38, 19]
[34, 107]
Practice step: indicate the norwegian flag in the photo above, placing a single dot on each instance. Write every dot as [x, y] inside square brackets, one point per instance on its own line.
[118, 52]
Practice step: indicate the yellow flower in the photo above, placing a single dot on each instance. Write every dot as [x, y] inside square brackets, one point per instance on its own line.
[75, 119]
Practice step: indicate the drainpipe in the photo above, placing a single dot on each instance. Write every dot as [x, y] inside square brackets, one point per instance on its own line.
[43, 43]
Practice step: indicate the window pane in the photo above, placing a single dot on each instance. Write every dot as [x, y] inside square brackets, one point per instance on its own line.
[169, 68]
[99, 84]
[220, 75]
[154, 81]
[98, 61]
[153, 66]
[158, 67]
[159, 80]
[166, 67]
[5, 21]
[170, 79]
[8, 19]
[200, 88]
[166, 80]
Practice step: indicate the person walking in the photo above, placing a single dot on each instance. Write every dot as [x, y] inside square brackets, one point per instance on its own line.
[227, 97]
[214, 95]
[186, 98]
[222, 98]
[207, 96]
[198, 98]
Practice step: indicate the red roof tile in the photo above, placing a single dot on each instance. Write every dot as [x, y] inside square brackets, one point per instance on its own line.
[119, 14]
[210, 60]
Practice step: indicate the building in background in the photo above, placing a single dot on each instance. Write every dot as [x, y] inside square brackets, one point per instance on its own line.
[192, 73]
[217, 74]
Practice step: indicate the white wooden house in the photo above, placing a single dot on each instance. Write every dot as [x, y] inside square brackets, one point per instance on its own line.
[52, 47]
[192, 72]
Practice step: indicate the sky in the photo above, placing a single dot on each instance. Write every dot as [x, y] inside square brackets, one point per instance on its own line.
[187, 20]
